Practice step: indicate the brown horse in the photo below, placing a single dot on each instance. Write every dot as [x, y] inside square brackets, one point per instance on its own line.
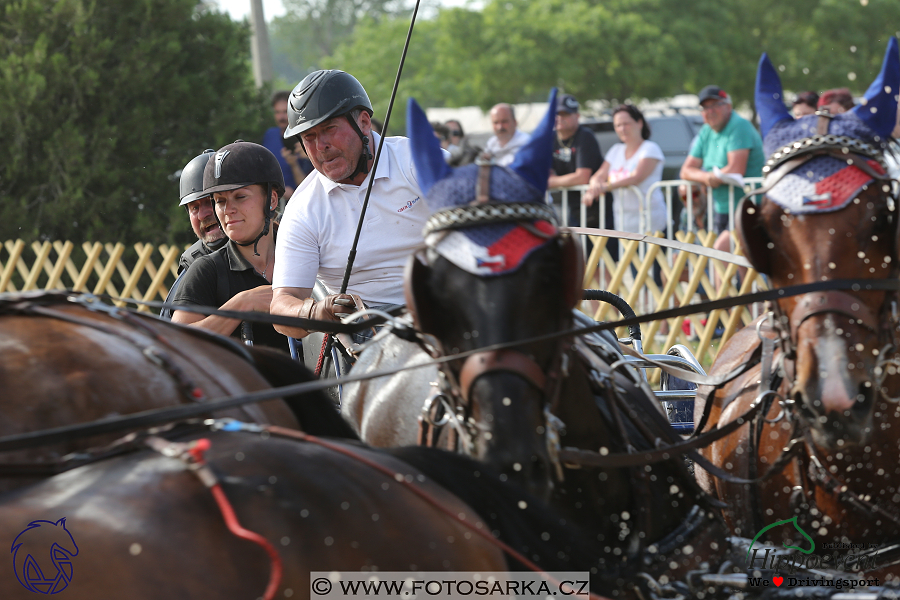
[143, 526]
[66, 360]
[825, 442]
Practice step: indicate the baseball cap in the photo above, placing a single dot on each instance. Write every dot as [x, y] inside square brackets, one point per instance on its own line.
[567, 104]
[711, 92]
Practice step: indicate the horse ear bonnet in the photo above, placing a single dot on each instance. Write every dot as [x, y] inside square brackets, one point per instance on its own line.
[492, 248]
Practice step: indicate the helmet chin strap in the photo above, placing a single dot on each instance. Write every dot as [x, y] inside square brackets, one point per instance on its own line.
[362, 165]
[267, 213]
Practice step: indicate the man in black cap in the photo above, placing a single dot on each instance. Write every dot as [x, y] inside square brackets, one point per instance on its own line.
[576, 156]
[726, 145]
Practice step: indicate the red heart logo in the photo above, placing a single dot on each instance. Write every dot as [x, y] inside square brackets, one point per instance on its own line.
[778, 581]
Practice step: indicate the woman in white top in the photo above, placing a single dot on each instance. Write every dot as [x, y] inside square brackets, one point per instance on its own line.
[635, 162]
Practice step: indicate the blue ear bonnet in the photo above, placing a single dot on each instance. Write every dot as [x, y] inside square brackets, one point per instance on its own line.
[460, 188]
[845, 124]
[871, 121]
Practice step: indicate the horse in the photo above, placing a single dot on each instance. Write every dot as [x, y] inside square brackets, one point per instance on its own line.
[530, 400]
[822, 447]
[147, 526]
[67, 358]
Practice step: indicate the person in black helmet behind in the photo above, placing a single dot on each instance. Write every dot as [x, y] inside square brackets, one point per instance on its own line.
[330, 113]
[202, 215]
[245, 182]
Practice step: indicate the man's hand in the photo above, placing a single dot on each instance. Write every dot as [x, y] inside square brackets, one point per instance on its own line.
[712, 181]
[330, 308]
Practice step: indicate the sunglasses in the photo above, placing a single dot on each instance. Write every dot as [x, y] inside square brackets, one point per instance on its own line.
[456, 132]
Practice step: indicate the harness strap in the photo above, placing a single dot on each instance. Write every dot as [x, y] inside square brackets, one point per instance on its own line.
[483, 185]
[823, 122]
[512, 361]
[192, 454]
[817, 303]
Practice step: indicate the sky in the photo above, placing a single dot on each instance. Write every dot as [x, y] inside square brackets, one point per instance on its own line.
[238, 9]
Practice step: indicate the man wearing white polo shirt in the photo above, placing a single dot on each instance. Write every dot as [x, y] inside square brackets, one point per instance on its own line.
[330, 113]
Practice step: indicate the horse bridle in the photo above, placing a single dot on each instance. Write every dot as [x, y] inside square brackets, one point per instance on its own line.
[454, 391]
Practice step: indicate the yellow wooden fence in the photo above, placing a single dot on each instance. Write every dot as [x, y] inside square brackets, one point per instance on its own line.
[145, 272]
[684, 277]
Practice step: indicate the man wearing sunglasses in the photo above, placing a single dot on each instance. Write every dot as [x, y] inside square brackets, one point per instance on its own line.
[727, 144]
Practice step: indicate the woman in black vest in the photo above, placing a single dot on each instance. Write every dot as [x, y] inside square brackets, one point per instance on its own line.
[246, 182]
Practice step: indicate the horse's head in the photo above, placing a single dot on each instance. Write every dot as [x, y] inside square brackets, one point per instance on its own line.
[496, 270]
[828, 213]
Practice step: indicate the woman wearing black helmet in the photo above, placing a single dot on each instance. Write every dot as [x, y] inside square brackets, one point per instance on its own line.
[246, 182]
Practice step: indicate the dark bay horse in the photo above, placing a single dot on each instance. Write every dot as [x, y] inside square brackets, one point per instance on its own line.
[827, 361]
[525, 403]
[146, 527]
[65, 359]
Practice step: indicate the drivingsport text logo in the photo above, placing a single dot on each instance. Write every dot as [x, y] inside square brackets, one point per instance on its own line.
[434, 586]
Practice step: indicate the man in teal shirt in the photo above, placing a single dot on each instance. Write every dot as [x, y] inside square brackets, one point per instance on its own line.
[727, 141]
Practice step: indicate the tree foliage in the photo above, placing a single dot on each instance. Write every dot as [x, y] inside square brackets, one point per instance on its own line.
[102, 101]
[312, 30]
[515, 50]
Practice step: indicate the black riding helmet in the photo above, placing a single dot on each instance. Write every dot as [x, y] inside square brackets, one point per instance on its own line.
[191, 182]
[241, 164]
[323, 95]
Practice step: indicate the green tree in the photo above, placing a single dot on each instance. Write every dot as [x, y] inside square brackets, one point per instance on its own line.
[102, 101]
[515, 50]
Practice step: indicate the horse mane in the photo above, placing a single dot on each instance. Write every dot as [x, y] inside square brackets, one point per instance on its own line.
[315, 412]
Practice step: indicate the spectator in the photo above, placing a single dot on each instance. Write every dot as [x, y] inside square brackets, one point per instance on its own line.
[273, 139]
[377, 126]
[806, 103]
[296, 160]
[727, 143]
[635, 161]
[698, 205]
[317, 227]
[507, 139]
[576, 156]
[836, 101]
[236, 277]
[455, 130]
[462, 150]
[202, 216]
[441, 132]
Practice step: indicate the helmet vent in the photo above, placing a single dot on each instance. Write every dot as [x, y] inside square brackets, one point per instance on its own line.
[220, 158]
